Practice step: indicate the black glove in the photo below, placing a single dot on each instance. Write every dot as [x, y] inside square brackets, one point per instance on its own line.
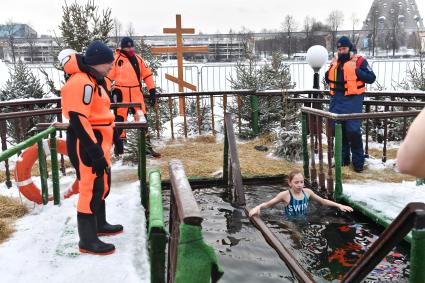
[100, 166]
[152, 97]
[99, 163]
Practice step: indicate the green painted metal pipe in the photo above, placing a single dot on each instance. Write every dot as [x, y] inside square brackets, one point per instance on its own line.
[338, 161]
[25, 144]
[226, 157]
[254, 114]
[417, 257]
[306, 160]
[43, 172]
[156, 231]
[371, 214]
[55, 168]
[142, 168]
[420, 181]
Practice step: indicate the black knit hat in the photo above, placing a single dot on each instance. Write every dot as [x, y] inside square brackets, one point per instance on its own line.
[98, 53]
[127, 42]
[344, 41]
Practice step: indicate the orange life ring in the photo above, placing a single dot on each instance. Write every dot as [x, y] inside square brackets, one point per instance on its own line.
[23, 168]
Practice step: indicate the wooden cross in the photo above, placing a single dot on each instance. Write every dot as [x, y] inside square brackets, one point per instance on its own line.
[180, 49]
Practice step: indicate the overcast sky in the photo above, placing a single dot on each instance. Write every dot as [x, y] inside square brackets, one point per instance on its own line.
[149, 17]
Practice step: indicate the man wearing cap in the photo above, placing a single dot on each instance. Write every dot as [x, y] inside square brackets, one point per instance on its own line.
[347, 77]
[86, 104]
[128, 70]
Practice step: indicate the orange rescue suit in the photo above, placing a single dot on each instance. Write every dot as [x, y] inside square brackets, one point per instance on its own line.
[351, 84]
[128, 87]
[86, 103]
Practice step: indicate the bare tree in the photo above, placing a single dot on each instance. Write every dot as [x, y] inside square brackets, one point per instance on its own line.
[246, 38]
[10, 33]
[130, 30]
[354, 22]
[335, 20]
[394, 22]
[289, 25]
[30, 40]
[307, 28]
[117, 31]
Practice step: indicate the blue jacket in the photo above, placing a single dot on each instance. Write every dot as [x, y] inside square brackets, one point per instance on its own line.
[341, 104]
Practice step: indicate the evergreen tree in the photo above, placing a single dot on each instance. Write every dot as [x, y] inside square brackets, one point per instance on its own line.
[22, 84]
[82, 24]
[277, 115]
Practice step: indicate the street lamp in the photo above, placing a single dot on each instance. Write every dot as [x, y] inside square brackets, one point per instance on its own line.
[317, 56]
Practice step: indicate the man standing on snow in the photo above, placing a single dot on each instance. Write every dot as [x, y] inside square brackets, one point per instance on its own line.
[347, 77]
[86, 104]
[128, 70]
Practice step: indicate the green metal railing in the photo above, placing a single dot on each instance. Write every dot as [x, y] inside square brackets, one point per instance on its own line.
[157, 234]
[38, 139]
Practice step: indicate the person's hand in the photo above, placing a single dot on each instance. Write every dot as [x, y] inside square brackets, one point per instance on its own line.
[345, 208]
[254, 211]
[152, 97]
[100, 166]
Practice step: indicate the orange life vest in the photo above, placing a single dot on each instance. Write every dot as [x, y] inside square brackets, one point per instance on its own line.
[351, 84]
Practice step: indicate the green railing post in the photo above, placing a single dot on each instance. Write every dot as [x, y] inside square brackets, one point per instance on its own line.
[156, 230]
[43, 169]
[254, 114]
[420, 181]
[306, 160]
[225, 157]
[142, 168]
[338, 161]
[417, 256]
[55, 168]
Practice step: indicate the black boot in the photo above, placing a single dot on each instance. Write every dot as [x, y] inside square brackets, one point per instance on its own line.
[89, 242]
[103, 227]
[118, 146]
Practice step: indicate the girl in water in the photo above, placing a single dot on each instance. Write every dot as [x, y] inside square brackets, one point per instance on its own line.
[296, 199]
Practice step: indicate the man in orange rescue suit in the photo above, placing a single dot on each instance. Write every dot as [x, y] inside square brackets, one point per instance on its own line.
[346, 77]
[128, 70]
[86, 103]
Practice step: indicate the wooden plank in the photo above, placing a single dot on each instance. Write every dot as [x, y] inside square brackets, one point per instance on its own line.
[177, 81]
[187, 206]
[234, 157]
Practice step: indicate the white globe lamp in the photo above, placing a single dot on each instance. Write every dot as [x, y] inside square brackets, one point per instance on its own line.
[317, 56]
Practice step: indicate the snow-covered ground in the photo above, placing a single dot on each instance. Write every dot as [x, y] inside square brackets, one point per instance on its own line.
[387, 199]
[44, 247]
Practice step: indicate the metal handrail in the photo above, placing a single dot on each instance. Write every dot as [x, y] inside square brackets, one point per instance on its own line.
[411, 217]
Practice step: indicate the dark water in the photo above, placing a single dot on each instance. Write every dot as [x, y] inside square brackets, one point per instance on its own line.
[326, 242]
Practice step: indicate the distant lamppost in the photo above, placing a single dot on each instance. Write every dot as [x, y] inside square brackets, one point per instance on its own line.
[317, 56]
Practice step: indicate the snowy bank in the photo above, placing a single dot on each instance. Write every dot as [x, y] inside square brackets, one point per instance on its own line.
[45, 244]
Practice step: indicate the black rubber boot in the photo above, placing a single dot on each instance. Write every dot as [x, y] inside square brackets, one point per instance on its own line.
[103, 227]
[118, 146]
[89, 242]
